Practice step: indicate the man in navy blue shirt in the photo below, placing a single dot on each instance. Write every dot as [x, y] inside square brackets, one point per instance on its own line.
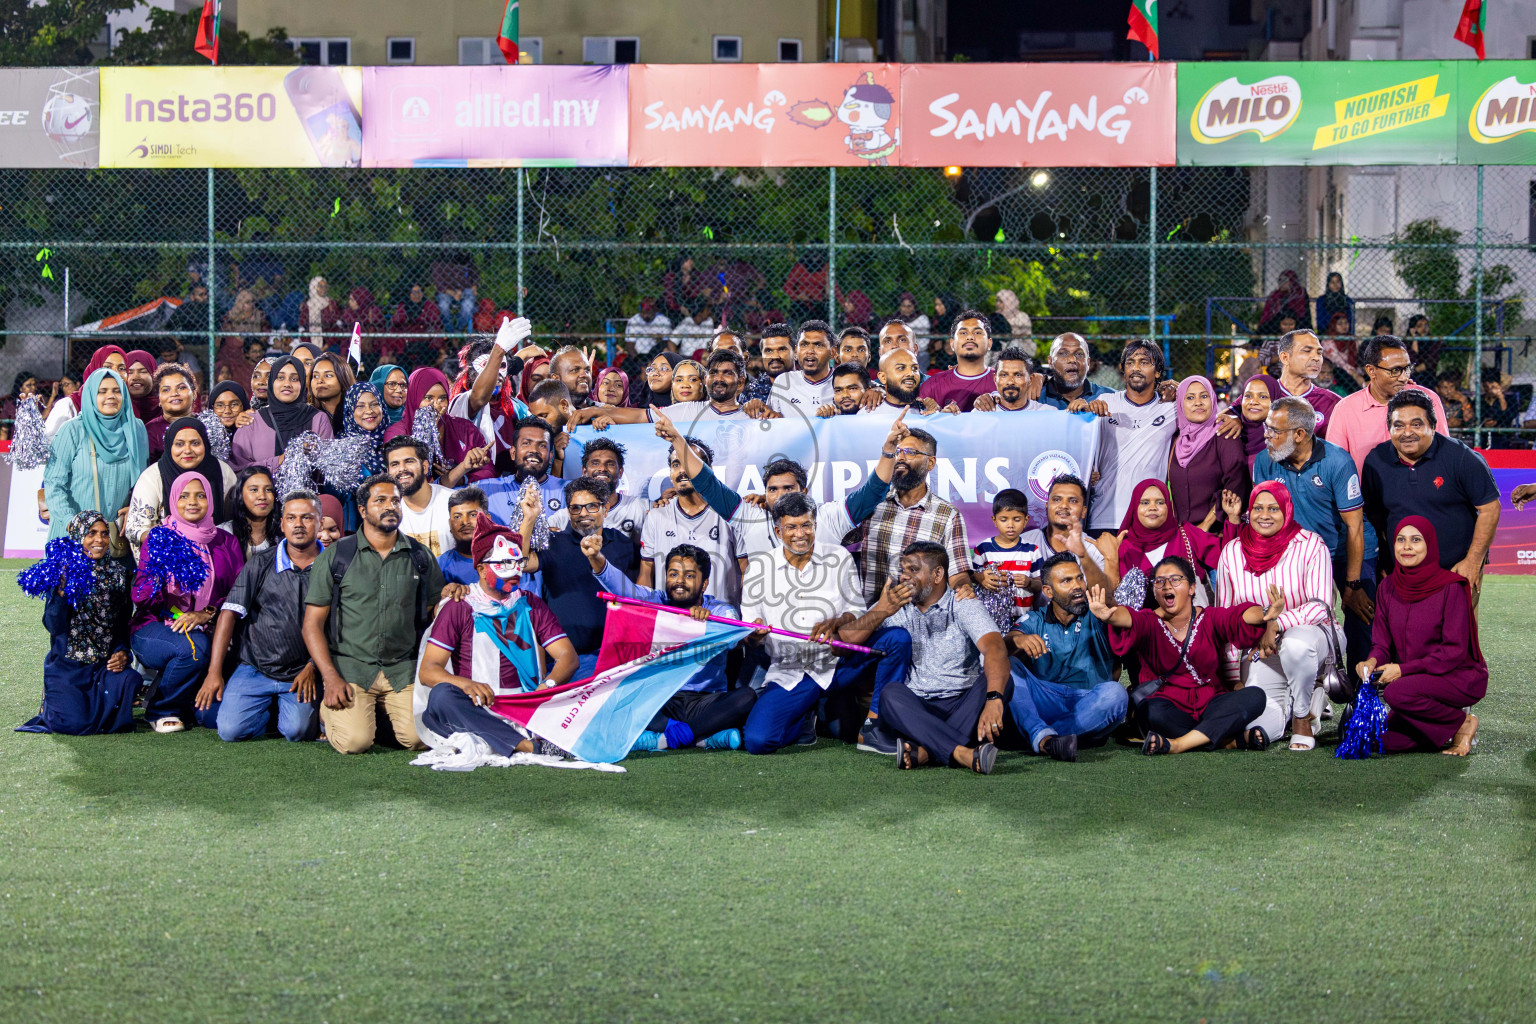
[1326, 499]
[1064, 689]
[570, 589]
[465, 505]
[1417, 472]
[1068, 380]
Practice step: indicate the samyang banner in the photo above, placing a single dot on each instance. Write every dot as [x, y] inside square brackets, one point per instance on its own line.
[979, 454]
[1496, 112]
[50, 117]
[1317, 112]
[525, 115]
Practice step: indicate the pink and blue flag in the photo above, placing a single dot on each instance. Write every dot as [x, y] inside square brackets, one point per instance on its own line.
[648, 654]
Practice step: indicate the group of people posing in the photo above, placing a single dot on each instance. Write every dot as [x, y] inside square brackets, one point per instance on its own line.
[1203, 555]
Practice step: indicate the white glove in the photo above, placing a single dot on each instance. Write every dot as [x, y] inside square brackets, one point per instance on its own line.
[512, 333]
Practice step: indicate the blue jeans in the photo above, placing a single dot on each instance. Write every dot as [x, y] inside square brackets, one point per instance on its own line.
[775, 719]
[1357, 632]
[466, 317]
[1041, 708]
[586, 666]
[182, 661]
[247, 708]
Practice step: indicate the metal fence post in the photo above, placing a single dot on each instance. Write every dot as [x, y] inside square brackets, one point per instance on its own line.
[1152, 264]
[832, 250]
[1477, 343]
[520, 241]
[67, 333]
[212, 298]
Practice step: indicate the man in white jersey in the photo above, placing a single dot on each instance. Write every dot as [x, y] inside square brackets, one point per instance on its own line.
[810, 387]
[688, 519]
[603, 460]
[1136, 434]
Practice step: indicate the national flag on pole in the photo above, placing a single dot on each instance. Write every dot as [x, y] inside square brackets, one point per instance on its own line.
[207, 42]
[507, 37]
[1474, 19]
[599, 719]
[1143, 24]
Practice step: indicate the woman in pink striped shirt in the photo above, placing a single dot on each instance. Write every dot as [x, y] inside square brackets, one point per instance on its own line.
[1272, 550]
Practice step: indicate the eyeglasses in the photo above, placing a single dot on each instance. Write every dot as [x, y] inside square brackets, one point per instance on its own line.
[398, 385]
[1270, 431]
[1395, 372]
[1168, 582]
[581, 510]
[913, 453]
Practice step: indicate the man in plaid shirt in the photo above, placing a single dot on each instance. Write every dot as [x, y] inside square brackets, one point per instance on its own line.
[910, 512]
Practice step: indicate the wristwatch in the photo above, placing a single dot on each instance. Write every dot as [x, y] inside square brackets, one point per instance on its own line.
[1354, 584]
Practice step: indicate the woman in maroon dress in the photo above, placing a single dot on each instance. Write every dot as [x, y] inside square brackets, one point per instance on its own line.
[1202, 463]
[1424, 643]
[1179, 646]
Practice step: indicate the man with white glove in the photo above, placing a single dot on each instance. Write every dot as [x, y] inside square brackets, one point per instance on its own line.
[511, 340]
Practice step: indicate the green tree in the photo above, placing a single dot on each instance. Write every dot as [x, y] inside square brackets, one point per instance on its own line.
[1430, 265]
[169, 39]
[53, 33]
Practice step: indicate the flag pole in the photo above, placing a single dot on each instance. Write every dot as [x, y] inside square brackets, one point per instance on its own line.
[604, 595]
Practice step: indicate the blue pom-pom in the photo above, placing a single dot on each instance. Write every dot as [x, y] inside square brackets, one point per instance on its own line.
[1365, 733]
[65, 564]
[170, 556]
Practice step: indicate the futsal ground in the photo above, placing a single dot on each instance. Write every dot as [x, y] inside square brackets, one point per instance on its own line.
[176, 878]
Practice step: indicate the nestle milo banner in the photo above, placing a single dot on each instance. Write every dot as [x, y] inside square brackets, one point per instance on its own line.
[1496, 122]
[1318, 112]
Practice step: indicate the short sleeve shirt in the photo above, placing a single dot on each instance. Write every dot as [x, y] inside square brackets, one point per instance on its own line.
[953, 386]
[1134, 445]
[945, 658]
[667, 527]
[1445, 487]
[454, 632]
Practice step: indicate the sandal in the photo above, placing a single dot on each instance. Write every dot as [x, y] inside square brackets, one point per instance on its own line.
[164, 725]
[1303, 742]
[906, 757]
[1254, 739]
[983, 759]
[1155, 743]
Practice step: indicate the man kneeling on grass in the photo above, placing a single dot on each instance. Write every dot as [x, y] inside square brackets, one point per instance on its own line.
[702, 708]
[497, 634]
[949, 709]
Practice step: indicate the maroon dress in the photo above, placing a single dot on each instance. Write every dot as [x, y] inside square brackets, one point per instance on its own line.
[1159, 653]
[1430, 640]
[1196, 488]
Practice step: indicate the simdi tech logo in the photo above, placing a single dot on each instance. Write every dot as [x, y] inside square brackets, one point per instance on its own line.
[1504, 110]
[1230, 108]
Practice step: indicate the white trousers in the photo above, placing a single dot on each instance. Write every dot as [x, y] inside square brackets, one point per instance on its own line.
[1289, 676]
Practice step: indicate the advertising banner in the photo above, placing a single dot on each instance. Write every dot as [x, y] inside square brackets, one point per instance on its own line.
[232, 117]
[979, 454]
[25, 532]
[1027, 115]
[764, 115]
[1496, 112]
[49, 117]
[1317, 112]
[539, 115]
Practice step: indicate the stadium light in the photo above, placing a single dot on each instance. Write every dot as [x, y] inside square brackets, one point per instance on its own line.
[1040, 179]
[952, 172]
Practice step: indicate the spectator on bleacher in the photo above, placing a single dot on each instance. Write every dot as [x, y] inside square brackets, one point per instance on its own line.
[683, 287]
[1007, 310]
[1289, 297]
[320, 314]
[1459, 414]
[414, 315]
[944, 309]
[455, 279]
[1340, 349]
[858, 311]
[243, 316]
[362, 309]
[1383, 325]
[912, 316]
[805, 288]
[1333, 301]
[1425, 354]
[693, 333]
[646, 328]
[282, 304]
[1498, 410]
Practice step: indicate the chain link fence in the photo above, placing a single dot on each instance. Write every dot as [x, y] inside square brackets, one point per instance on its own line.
[1189, 255]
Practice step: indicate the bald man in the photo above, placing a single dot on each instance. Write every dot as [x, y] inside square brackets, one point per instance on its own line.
[900, 378]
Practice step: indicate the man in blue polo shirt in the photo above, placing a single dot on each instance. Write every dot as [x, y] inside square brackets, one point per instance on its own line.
[1065, 692]
[1326, 499]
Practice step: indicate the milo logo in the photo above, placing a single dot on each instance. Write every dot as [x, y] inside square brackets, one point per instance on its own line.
[1504, 110]
[1230, 108]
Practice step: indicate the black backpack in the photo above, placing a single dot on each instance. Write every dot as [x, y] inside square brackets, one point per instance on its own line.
[421, 561]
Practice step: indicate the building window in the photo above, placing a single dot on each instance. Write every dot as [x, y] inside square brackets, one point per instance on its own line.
[533, 46]
[1239, 12]
[401, 51]
[728, 48]
[610, 50]
[478, 50]
[330, 52]
[789, 51]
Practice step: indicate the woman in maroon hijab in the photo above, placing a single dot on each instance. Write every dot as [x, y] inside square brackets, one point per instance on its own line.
[1424, 643]
[461, 440]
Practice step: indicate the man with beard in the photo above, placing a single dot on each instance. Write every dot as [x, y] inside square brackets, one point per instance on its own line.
[531, 456]
[570, 589]
[424, 513]
[703, 712]
[1136, 435]
[1067, 386]
[177, 393]
[572, 368]
[853, 346]
[949, 708]
[725, 372]
[850, 382]
[912, 512]
[1012, 374]
[688, 519]
[468, 658]
[778, 351]
[900, 380]
[810, 386]
[971, 340]
[465, 505]
[370, 598]
[603, 460]
[1066, 510]
[1065, 691]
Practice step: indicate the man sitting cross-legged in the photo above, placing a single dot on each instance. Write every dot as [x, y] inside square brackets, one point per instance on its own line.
[1064, 693]
[495, 638]
[702, 708]
[949, 710]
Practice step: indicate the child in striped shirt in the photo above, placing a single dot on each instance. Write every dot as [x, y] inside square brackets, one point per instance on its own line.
[1007, 568]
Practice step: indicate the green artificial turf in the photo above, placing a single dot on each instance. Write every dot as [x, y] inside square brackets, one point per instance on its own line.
[176, 878]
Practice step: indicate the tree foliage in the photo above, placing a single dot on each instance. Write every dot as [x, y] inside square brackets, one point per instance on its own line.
[53, 33]
[169, 37]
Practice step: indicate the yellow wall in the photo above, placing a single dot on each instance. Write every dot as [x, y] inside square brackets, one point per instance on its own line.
[670, 31]
[860, 20]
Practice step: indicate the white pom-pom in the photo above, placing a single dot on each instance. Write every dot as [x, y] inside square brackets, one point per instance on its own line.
[30, 447]
[218, 436]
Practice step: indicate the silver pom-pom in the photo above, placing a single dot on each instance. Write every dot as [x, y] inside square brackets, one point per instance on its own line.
[30, 447]
[298, 469]
[218, 434]
[539, 539]
[424, 429]
[341, 461]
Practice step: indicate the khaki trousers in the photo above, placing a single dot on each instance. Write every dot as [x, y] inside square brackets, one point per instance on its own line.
[350, 729]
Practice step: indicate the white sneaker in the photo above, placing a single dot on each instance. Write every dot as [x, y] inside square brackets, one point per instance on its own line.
[168, 725]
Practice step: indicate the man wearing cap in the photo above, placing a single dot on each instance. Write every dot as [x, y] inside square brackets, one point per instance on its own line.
[496, 639]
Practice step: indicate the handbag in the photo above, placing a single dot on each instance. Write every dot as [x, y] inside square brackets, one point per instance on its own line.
[117, 547]
[1143, 692]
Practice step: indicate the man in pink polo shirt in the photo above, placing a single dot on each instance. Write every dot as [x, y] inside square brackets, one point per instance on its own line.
[1359, 421]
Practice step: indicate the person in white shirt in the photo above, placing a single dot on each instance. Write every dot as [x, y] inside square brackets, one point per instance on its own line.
[1136, 434]
[1014, 384]
[645, 327]
[688, 519]
[806, 587]
[603, 459]
[695, 330]
[424, 513]
[809, 387]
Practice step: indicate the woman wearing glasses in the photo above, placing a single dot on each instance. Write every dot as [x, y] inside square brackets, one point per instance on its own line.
[1179, 702]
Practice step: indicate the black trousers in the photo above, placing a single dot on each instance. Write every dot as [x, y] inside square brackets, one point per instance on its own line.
[450, 710]
[707, 713]
[1224, 717]
[937, 724]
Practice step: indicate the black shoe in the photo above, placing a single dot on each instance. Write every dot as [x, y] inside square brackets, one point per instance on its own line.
[1062, 748]
[875, 738]
[807, 737]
